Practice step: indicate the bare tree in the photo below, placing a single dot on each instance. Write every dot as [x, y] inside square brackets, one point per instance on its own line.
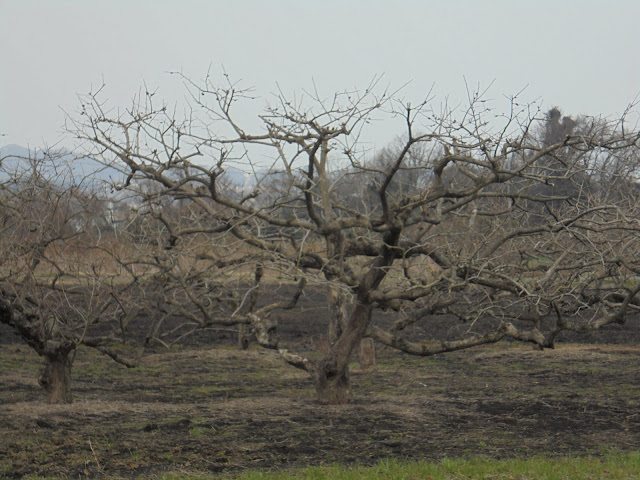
[439, 228]
[58, 289]
[193, 273]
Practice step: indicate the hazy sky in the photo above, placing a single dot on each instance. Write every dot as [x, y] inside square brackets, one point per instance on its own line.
[581, 55]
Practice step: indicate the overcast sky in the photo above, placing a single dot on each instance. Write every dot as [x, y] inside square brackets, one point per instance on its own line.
[581, 55]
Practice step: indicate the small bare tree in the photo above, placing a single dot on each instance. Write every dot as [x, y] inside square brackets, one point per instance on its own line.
[449, 224]
[193, 273]
[58, 290]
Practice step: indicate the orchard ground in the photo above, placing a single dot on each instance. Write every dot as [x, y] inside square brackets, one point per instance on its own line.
[206, 407]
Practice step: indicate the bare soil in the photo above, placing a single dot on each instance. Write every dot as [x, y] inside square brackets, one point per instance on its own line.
[204, 409]
[207, 407]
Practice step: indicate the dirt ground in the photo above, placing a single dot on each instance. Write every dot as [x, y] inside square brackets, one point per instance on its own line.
[205, 409]
[206, 406]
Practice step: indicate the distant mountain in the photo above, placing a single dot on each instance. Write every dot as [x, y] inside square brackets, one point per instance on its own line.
[237, 177]
[63, 164]
[15, 160]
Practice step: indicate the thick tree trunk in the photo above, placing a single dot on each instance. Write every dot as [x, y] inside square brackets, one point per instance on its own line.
[333, 387]
[332, 373]
[337, 313]
[243, 337]
[56, 377]
[367, 355]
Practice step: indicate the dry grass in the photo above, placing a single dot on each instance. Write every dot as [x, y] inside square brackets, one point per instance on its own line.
[210, 409]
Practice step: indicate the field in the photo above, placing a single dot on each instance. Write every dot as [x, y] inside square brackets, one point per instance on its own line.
[206, 409]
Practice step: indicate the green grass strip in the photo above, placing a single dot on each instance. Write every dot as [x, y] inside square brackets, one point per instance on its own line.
[614, 465]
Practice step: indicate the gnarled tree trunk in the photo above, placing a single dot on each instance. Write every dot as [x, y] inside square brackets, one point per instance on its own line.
[333, 386]
[331, 376]
[56, 377]
[243, 337]
[367, 355]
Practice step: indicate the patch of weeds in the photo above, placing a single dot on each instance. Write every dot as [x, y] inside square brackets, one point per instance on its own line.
[366, 383]
[97, 370]
[517, 366]
[298, 393]
[6, 467]
[167, 456]
[134, 425]
[226, 433]
[19, 364]
[205, 390]
[260, 375]
[135, 455]
[196, 432]
[592, 370]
